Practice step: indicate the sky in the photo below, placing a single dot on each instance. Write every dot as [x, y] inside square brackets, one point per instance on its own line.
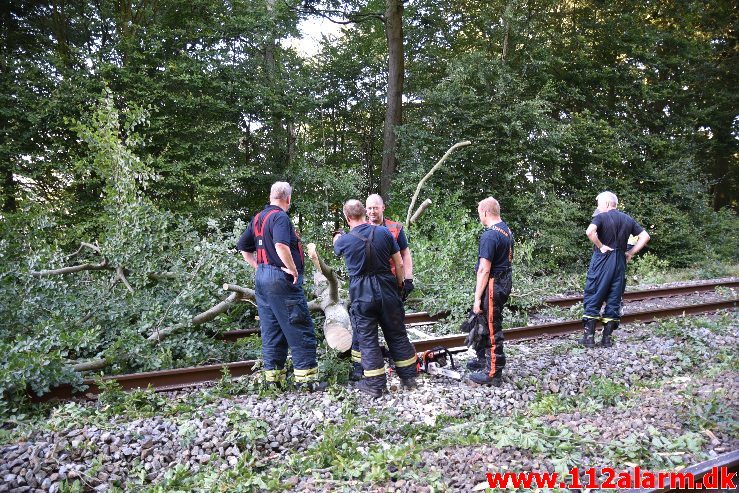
[312, 29]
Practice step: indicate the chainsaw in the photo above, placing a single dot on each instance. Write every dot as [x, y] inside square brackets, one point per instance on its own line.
[434, 361]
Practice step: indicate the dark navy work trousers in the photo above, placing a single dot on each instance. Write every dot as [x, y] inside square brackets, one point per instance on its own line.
[284, 320]
[375, 300]
[605, 281]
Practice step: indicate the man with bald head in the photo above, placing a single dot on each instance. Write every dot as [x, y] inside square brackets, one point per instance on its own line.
[494, 275]
[609, 231]
[375, 295]
[375, 208]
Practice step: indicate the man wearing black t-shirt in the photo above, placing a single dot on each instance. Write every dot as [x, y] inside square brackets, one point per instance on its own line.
[283, 312]
[494, 281]
[376, 299]
[609, 231]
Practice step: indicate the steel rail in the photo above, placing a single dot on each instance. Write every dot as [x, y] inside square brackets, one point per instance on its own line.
[180, 378]
[410, 318]
[645, 294]
[561, 328]
[729, 460]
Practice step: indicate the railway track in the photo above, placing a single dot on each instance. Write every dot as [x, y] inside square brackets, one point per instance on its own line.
[644, 294]
[730, 461]
[181, 378]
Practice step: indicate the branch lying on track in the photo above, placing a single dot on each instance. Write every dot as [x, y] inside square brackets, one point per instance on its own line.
[237, 293]
[336, 326]
[96, 364]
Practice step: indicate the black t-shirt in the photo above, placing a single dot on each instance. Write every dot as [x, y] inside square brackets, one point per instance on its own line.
[353, 249]
[276, 229]
[496, 245]
[614, 228]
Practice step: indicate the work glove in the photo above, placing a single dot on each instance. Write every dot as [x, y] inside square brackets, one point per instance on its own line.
[477, 329]
[407, 288]
[339, 232]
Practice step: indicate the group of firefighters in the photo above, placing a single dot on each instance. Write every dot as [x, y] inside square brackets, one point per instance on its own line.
[380, 268]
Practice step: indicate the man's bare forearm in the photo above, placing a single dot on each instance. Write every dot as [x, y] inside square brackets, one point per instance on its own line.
[283, 251]
[407, 263]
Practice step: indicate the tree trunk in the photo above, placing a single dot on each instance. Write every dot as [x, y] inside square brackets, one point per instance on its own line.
[724, 187]
[394, 110]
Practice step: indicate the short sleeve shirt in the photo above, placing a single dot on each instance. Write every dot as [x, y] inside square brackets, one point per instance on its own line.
[353, 249]
[277, 229]
[614, 228]
[496, 245]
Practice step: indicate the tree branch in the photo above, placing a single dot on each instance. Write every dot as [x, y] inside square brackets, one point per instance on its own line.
[245, 292]
[74, 268]
[120, 274]
[428, 175]
[328, 272]
[420, 210]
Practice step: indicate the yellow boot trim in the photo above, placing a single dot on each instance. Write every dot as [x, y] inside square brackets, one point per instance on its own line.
[306, 375]
[606, 320]
[275, 375]
[407, 362]
[374, 373]
[356, 356]
[591, 316]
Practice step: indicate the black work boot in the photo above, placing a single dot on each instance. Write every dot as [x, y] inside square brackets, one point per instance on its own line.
[608, 329]
[409, 383]
[311, 386]
[474, 365]
[357, 372]
[483, 378]
[588, 338]
[373, 389]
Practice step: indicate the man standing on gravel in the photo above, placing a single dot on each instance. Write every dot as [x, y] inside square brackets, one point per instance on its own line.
[494, 281]
[283, 311]
[376, 299]
[606, 279]
[375, 207]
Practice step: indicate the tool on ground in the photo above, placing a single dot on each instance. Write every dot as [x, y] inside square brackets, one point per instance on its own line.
[434, 360]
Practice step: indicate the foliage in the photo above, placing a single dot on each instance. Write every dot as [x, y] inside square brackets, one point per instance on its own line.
[56, 319]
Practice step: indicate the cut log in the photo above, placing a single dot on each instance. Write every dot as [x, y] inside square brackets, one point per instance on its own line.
[337, 325]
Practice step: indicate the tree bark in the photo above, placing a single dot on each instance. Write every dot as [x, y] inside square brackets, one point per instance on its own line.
[337, 325]
[395, 79]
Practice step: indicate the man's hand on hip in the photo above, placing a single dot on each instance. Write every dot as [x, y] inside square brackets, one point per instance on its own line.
[605, 249]
[293, 273]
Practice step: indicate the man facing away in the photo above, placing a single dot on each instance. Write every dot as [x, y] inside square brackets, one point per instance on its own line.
[606, 279]
[375, 207]
[494, 275]
[376, 299]
[283, 311]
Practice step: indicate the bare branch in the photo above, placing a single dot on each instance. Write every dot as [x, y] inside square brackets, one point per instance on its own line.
[161, 276]
[428, 175]
[95, 364]
[72, 269]
[83, 245]
[120, 272]
[420, 210]
[328, 272]
[245, 292]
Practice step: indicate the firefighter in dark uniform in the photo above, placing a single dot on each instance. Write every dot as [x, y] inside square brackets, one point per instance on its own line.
[376, 299]
[375, 207]
[283, 312]
[494, 281]
[606, 279]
